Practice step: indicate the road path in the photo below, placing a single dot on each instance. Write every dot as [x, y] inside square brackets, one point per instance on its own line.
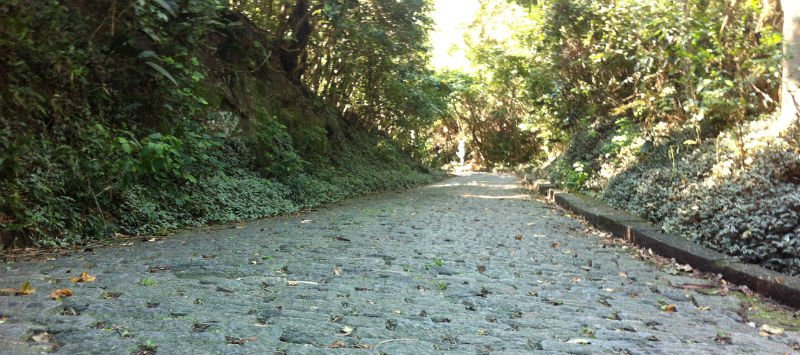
[470, 265]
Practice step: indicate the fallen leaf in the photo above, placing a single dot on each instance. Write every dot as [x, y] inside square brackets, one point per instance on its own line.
[518, 237]
[770, 330]
[43, 337]
[337, 345]
[581, 341]
[63, 292]
[85, 277]
[746, 290]
[555, 245]
[158, 269]
[295, 283]
[481, 268]
[695, 286]
[723, 338]
[346, 330]
[237, 341]
[26, 289]
[111, 295]
[669, 308]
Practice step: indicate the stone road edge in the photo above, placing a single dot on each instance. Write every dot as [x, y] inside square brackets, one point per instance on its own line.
[780, 287]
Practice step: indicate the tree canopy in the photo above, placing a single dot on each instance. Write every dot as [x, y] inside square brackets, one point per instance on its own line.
[140, 116]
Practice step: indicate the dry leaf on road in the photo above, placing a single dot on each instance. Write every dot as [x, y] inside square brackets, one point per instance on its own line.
[767, 330]
[337, 345]
[23, 290]
[85, 277]
[669, 308]
[43, 337]
[26, 289]
[64, 292]
[295, 283]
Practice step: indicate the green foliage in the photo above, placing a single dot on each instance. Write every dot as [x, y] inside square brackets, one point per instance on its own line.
[384, 83]
[148, 282]
[653, 105]
[142, 116]
[489, 116]
[441, 285]
[279, 157]
[575, 177]
[620, 69]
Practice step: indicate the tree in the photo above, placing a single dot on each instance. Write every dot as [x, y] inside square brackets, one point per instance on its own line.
[292, 52]
[790, 91]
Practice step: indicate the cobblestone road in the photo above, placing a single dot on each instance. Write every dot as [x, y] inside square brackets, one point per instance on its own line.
[471, 265]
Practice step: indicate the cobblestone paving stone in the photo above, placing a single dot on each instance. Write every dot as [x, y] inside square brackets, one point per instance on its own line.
[465, 266]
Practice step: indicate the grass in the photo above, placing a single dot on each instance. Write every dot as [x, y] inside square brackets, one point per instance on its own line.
[763, 312]
[148, 282]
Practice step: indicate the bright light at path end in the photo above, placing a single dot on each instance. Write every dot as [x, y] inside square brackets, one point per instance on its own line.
[451, 18]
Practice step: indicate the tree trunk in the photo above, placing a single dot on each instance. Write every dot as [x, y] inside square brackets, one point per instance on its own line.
[292, 52]
[790, 88]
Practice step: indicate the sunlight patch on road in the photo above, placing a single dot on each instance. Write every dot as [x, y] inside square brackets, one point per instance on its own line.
[498, 197]
[444, 185]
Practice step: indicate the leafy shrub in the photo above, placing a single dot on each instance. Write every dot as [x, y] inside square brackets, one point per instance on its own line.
[222, 198]
[747, 209]
[118, 125]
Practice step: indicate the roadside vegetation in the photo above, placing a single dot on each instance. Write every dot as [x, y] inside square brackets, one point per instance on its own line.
[143, 116]
[669, 109]
[139, 117]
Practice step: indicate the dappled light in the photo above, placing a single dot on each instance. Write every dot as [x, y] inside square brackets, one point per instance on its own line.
[677, 121]
[499, 197]
[299, 176]
[169, 114]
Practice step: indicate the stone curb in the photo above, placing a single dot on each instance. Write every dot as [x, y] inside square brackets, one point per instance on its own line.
[781, 287]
